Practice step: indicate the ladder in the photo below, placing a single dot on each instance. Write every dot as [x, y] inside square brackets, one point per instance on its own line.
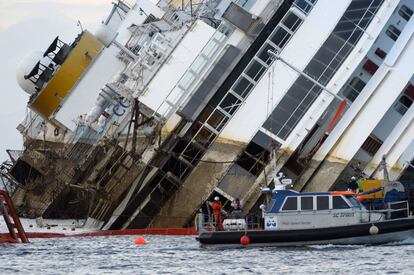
[16, 231]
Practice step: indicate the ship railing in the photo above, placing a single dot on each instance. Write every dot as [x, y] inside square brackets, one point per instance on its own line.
[209, 223]
[394, 210]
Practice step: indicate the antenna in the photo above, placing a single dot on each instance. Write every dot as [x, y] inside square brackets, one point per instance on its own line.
[79, 24]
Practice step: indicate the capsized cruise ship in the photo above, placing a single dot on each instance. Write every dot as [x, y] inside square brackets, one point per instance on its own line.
[171, 103]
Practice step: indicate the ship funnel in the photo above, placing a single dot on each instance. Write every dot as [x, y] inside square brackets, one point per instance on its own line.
[27, 67]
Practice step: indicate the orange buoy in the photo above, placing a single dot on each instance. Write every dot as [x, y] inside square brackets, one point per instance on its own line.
[245, 240]
[140, 240]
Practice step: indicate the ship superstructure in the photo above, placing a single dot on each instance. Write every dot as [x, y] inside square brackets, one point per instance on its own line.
[170, 104]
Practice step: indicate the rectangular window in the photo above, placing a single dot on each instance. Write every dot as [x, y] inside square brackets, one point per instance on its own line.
[205, 137]
[292, 21]
[370, 67]
[380, 53]
[339, 203]
[255, 70]
[243, 87]
[250, 164]
[217, 120]
[291, 203]
[353, 89]
[405, 12]
[322, 202]
[403, 104]
[280, 37]
[409, 91]
[304, 5]
[371, 145]
[264, 55]
[230, 103]
[393, 32]
[306, 203]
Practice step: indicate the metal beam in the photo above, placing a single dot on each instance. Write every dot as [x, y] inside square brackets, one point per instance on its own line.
[278, 57]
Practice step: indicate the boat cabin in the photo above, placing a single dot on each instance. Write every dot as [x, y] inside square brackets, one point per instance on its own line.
[288, 209]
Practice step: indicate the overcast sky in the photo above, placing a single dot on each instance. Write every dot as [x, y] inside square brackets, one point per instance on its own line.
[30, 25]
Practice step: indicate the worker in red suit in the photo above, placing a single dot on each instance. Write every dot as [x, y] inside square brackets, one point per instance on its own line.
[216, 205]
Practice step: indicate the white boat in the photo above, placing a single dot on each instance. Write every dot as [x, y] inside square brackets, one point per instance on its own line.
[307, 218]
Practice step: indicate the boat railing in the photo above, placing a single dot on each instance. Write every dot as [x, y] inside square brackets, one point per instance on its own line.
[393, 210]
[204, 222]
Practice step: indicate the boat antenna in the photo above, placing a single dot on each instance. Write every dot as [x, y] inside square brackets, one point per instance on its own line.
[383, 165]
[79, 24]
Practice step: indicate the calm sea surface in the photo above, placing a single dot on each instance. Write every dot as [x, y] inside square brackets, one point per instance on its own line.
[182, 255]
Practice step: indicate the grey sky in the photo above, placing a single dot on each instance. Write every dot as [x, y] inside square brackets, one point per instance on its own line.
[27, 26]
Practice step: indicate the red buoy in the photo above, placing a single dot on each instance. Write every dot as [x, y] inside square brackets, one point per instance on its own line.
[245, 240]
[360, 198]
[140, 240]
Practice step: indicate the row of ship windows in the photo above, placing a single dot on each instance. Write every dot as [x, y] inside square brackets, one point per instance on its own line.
[305, 5]
[356, 84]
[231, 102]
[322, 67]
[258, 66]
[393, 32]
[404, 102]
[212, 121]
[321, 202]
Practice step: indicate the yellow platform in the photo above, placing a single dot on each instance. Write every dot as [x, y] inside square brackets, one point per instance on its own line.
[72, 69]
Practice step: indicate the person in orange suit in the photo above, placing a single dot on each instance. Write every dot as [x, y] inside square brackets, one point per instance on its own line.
[216, 205]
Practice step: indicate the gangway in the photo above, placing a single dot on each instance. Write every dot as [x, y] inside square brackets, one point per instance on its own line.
[16, 231]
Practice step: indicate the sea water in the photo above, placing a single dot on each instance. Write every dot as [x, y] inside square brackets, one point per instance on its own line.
[183, 255]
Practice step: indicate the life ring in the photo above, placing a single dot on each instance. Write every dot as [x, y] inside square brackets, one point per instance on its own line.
[56, 132]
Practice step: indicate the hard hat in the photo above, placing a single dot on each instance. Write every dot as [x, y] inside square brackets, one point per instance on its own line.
[216, 198]
[353, 178]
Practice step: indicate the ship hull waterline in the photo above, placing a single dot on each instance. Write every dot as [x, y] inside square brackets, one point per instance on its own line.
[388, 231]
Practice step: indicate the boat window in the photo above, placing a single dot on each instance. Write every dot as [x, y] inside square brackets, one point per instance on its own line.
[405, 12]
[306, 203]
[291, 203]
[280, 37]
[370, 67]
[255, 70]
[217, 120]
[243, 87]
[380, 53]
[292, 21]
[352, 90]
[393, 32]
[264, 55]
[355, 203]
[403, 104]
[322, 202]
[230, 103]
[339, 203]
[371, 145]
[304, 5]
